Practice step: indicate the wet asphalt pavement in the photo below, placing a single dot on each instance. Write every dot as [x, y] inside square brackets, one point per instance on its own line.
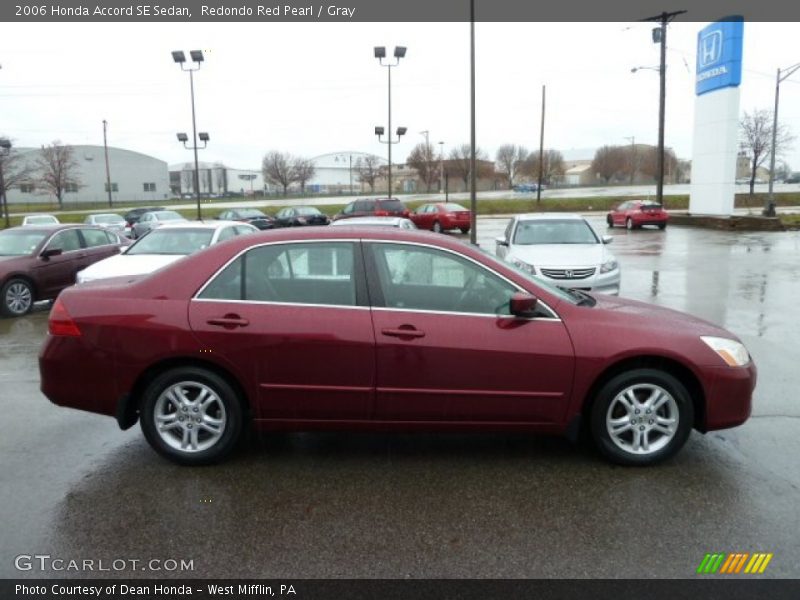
[73, 486]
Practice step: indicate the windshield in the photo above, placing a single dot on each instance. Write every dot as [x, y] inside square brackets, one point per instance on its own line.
[307, 211]
[554, 231]
[555, 291]
[42, 220]
[20, 243]
[250, 213]
[108, 219]
[172, 241]
[392, 205]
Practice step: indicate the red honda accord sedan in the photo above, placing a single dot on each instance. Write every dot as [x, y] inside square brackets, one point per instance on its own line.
[372, 328]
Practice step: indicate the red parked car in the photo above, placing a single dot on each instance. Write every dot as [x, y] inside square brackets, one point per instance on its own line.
[37, 262]
[382, 328]
[373, 207]
[635, 213]
[442, 216]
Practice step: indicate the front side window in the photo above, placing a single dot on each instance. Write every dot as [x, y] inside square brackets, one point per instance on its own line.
[421, 278]
[301, 273]
[67, 240]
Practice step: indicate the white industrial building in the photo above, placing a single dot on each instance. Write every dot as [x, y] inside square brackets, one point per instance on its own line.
[338, 172]
[216, 179]
[135, 177]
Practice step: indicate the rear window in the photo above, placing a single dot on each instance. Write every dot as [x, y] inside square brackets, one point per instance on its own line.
[451, 207]
[392, 205]
[172, 241]
[650, 204]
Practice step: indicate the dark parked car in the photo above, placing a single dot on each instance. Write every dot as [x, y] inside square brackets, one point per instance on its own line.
[637, 213]
[442, 216]
[37, 262]
[248, 215]
[299, 216]
[373, 207]
[383, 328]
[132, 216]
[793, 178]
[153, 219]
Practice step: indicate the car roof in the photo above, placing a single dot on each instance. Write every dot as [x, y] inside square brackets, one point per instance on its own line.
[52, 227]
[200, 225]
[550, 217]
[368, 220]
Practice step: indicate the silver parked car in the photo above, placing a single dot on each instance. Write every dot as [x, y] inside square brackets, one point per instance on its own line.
[153, 219]
[561, 249]
[111, 221]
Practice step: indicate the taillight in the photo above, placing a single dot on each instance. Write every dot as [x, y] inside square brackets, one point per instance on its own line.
[60, 323]
[406, 212]
[381, 213]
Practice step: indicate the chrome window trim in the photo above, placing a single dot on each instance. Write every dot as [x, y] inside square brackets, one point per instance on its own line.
[272, 302]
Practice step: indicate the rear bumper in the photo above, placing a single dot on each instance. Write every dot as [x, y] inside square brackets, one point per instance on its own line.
[729, 396]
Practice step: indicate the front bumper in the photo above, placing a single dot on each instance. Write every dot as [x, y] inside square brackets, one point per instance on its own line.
[604, 283]
[729, 395]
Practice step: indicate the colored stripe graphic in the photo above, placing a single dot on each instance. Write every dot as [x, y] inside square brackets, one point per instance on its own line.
[732, 563]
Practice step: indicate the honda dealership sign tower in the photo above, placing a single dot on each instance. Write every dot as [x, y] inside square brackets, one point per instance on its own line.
[716, 117]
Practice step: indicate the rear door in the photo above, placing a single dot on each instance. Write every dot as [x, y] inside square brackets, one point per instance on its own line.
[293, 318]
[98, 244]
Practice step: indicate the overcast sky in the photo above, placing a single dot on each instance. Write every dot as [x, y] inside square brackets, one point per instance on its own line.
[314, 88]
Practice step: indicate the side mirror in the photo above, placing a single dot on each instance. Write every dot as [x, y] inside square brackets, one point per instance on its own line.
[51, 252]
[607, 239]
[501, 241]
[523, 305]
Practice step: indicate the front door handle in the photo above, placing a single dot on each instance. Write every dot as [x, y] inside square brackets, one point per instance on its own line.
[228, 321]
[403, 332]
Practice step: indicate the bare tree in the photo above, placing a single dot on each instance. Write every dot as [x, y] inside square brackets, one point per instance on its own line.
[608, 162]
[221, 176]
[278, 169]
[459, 163]
[58, 170]
[552, 166]
[368, 169]
[187, 180]
[648, 163]
[755, 138]
[13, 172]
[423, 160]
[509, 161]
[304, 170]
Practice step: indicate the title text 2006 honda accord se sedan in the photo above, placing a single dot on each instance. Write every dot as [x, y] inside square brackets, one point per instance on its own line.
[372, 328]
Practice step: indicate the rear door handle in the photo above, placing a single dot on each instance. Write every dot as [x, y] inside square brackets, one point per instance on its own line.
[403, 332]
[228, 321]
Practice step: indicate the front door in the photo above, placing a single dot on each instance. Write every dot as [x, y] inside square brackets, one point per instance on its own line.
[448, 349]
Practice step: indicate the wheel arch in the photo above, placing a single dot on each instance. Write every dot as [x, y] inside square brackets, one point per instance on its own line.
[27, 279]
[128, 405]
[670, 365]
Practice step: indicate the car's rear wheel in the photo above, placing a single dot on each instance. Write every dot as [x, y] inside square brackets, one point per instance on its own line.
[662, 226]
[465, 230]
[17, 297]
[609, 221]
[641, 417]
[191, 416]
[629, 223]
[437, 227]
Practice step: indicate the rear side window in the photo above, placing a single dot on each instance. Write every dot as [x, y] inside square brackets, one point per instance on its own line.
[94, 237]
[317, 273]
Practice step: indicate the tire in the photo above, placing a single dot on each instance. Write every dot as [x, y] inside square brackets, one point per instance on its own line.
[662, 226]
[17, 298]
[609, 221]
[641, 438]
[465, 230]
[223, 413]
[437, 227]
[629, 223]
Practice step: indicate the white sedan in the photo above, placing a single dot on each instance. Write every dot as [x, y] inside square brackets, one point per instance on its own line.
[398, 222]
[561, 249]
[162, 246]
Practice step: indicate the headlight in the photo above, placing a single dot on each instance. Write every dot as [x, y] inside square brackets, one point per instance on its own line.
[732, 352]
[522, 265]
[609, 266]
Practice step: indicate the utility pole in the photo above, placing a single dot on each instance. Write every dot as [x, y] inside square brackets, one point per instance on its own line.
[541, 153]
[660, 35]
[473, 197]
[428, 163]
[769, 206]
[108, 171]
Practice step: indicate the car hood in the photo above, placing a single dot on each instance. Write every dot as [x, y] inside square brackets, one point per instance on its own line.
[562, 255]
[127, 264]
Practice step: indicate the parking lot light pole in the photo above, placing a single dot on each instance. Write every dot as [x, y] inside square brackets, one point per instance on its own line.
[769, 206]
[204, 137]
[441, 167]
[380, 54]
[5, 150]
[379, 131]
[197, 58]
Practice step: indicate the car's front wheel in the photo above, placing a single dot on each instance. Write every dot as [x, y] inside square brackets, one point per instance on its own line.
[437, 227]
[17, 298]
[609, 221]
[641, 417]
[191, 416]
[629, 223]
